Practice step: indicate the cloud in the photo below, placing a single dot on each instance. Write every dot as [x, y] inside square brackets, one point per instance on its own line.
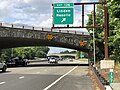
[85, 0]
[25, 10]
[57, 50]
[65, 1]
[6, 7]
[46, 23]
[34, 12]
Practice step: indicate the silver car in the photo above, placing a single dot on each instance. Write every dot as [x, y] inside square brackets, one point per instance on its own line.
[53, 60]
[3, 66]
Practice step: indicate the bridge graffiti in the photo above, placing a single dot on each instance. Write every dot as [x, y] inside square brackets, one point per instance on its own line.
[40, 37]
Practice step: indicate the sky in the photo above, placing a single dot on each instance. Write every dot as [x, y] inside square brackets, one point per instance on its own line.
[37, 13]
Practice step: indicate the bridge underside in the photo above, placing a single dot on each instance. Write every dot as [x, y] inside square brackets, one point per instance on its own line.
[15, 37]
[22, 42]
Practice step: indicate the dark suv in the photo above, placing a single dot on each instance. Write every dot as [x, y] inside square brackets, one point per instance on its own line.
[17, 61]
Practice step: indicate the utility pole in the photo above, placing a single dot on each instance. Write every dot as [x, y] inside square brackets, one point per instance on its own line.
[12, 52]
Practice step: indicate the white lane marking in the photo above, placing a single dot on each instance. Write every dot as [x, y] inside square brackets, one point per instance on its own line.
[21, 77]
[45, 70]
[108, 87]
[2, 83]
[29, 68]
[59, 79]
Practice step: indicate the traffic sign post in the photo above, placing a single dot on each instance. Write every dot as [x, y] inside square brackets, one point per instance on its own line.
[63, 19]
[63, 13]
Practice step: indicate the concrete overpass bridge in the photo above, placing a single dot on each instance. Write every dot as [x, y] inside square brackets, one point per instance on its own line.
[60, 55]
[18, 36]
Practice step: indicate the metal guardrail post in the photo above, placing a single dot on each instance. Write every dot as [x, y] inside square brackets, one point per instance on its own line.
[75, 32]
[0, 24]
[59, 30]
[96, 77]
[82, 33]
[42, 29]
[67, 31]
[12, 25]
[33, 28]
[51, 30]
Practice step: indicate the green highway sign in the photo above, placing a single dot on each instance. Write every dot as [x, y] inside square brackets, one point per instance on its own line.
[63, 13]
[63, 4]
[82, 55]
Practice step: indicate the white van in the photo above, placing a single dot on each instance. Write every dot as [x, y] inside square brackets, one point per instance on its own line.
[53, 60]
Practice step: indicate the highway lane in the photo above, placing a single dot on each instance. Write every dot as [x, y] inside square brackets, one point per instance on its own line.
[76, 80]
[67, 61]
[39, 78]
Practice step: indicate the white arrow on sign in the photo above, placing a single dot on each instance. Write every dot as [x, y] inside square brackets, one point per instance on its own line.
[63, 19]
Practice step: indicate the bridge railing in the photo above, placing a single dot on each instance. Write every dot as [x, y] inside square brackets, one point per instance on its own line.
[20, 26]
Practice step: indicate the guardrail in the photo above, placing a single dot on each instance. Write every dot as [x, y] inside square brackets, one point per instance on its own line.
[32, 61]
[101, 81]
[8, 25]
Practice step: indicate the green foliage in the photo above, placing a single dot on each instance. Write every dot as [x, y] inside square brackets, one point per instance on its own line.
[24, 52]
[5, 54]
[68, 52]
[116, 51]
[114, 30]
[114, 6]
[64, 52]
[99, 34]
[40, 54]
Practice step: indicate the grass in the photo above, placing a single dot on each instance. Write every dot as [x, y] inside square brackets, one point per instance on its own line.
[105, 73]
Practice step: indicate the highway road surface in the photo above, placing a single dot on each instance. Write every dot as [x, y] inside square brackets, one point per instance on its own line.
[64, 62]
[46, 78]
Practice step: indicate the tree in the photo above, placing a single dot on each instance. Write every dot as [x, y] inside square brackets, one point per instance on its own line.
[24, 52]
[114, 29]
[99, 34]
[64, 52]
[5, 54]
[40, 54]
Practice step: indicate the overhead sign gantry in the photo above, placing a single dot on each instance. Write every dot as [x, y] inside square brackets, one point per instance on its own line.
[62, 14]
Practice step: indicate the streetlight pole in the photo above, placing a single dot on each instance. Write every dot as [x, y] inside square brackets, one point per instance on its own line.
[12, 52]
[94, 24]
[94, 42]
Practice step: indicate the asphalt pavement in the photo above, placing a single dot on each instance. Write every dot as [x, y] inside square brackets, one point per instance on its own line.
[46, 78]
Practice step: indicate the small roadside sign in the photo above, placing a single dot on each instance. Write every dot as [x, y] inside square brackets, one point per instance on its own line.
[111, 76]
[82, 55]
